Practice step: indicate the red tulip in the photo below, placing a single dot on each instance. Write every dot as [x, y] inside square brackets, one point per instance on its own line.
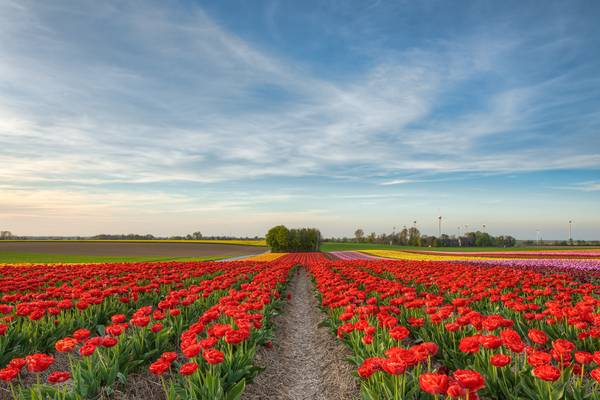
[188, 368]
[434, 383]
[58, 377]
[213, 356]
[546, 372]
[500, 360]
[38, 362]
[468, 379]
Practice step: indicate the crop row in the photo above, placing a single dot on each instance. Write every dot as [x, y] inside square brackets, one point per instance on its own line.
[193, 325]
[421, 330]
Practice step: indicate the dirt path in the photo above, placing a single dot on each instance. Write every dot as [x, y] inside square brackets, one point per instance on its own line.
[306, 362]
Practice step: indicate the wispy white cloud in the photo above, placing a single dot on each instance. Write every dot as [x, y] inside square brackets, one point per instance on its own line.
[396, 182]
[588, 186]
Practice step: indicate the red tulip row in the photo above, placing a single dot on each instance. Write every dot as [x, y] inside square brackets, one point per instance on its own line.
[422, 330]
[133, 314]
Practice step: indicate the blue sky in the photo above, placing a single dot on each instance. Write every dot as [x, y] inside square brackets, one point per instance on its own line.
[231, 116]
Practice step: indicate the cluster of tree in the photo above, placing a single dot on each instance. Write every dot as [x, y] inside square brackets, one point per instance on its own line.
[6, 235]
[281, 239]
[130, 236]
[192, 236]
[412, 237]
[406, 237]
[560, 242]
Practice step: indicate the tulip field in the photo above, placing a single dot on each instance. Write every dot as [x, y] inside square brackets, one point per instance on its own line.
[416, 325]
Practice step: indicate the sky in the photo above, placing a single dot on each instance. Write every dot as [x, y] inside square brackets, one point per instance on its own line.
[228, 117]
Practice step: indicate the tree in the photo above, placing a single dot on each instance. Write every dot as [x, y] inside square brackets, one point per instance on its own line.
[197, 235]
[414, 237]
[483, 239]
[5, 235]
[359, 234]
[282, 239]
[403, 237]
[372, 237]
[278, 238]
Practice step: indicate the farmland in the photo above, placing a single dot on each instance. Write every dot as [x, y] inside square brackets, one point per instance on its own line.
[374, 324]
[62, 251]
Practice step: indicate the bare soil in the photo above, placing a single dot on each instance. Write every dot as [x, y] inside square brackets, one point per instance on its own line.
[132, 249]
[306, 361]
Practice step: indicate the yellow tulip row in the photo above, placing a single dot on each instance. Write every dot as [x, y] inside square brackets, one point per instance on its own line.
[404, 255]
[265, 257]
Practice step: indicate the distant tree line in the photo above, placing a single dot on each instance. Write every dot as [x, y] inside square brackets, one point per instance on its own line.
[192, 236]
[281, 239]
[559, 242]
[130, 236]
[413, 237]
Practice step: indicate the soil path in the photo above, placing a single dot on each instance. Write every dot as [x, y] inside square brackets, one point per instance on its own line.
[305, 362]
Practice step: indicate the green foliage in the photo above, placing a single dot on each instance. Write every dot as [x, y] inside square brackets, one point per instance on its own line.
[281, 239]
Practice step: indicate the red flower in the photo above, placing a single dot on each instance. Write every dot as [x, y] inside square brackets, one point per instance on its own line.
[538, 358]
[8, 374]
[399, 332]
[416, 322]
[192, 351]
[452, 327]
[236, 336]
[512, 340]
[17, 363]
[6, 309]
[434, 383]
[38, 362]
[469, 344]
[595, 373]
[537, 336]
[213, 356]
[118, 318]
[431, 348]
[188, 368]
[168, 356]
[140, 321]
[490, 342]
[87, 349]
[3, 329]
[57, 377]
[156, 327]
[406, 355]
[455, 390]
[159, 367]
[108, 341]
[393, 367]
[546, 372]
[469, 379]
[583, 357]
[65, 345]
[81, 334]
[114, 330]
[563, 346]
[500, 360]
[370, 366]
